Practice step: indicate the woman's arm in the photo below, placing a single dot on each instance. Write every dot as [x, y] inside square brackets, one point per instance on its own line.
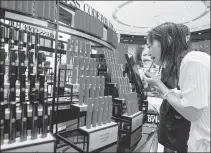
[194, 90]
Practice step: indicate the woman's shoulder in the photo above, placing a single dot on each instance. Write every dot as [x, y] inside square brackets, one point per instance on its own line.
[196, 57]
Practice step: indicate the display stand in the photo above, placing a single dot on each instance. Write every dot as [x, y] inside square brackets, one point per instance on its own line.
[118, 107]
[40, 144]
[92, 140]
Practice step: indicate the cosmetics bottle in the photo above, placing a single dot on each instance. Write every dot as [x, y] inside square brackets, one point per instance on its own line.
[41, 88]
[81, 90]
[34, 103]
[2, 119]
[98, 86]
[24, 115]
[29, 43]
[32, 84]
[39, 64]
[102, 86]
[110, 107]
[93, 87]
[75, 70]
[89, 113]
[37, 44]
[12, 122]
[2, 51]
[100, 111]
[44, 120]
[87, 89]
[95, 112]
[105, 110]
[12, 90]
[22, 88]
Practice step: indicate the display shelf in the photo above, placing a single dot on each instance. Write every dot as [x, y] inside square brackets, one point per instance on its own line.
[40, 144]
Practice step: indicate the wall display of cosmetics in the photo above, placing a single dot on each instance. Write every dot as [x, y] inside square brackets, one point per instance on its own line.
[41, 9]
[22, 87]
[99, 111]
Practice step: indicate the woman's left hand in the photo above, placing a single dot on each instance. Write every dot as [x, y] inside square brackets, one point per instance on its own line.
[151, 78]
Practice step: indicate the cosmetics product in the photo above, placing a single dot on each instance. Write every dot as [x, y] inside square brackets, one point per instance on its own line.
[12, 122]
[93, 87]
[21, 55]
[81, 90]
[22, 88]
[12, 90]
[37, 43]
[30, 63]
[98, 86]
[95, 112]
[2, 51]
[100, 111]
[32, 84]
[127, 101]
[44, 120]
[34, 131]
[39, 64]
[75, 70]
[11, 31]
[41, 88]
[89, 113]
[2, 119]
[102, 85]
[105, 110]
[110, 103]
[87, 89]
[24, 115]
[81, 66]
[29, 43]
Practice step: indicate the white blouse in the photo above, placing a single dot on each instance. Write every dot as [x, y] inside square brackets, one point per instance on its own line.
[195, 91]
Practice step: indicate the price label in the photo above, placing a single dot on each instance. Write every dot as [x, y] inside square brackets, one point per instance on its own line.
[152, 118]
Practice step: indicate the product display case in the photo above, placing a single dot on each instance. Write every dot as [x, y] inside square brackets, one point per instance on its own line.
[60, 82]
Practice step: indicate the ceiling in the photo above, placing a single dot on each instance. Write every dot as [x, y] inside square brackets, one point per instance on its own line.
[138, 17]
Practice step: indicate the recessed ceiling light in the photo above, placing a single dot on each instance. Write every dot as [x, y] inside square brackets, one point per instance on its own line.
[188, 7]
[183, 18]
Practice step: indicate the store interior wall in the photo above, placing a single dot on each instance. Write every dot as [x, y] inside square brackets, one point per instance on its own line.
[202, 46]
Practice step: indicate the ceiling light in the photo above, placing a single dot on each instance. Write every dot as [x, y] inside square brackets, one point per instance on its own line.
[183, 19]
[191, 21]
[199, 33]
[188, 7]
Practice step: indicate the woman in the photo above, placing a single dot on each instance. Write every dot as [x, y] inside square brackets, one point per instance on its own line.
[169, 48]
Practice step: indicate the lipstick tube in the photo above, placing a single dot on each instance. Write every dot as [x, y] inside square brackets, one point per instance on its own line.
[98, 85]
[12, 95]
[21, 56]
[21, 36]
[39, 64]
[95, 112]
[32, 84]
[102, 86]
[93, 87]
[89, 113]
[2, 51]
[22, 88]
[12, 122]
[34, 132]
[30, 63]
[37, 44]
[45, 120]
[24, 115]
[81, 90]
[75, 70]
[2, 119]
[41, 88]
[87, 89]
[105, 110]
[110, 103]
[29, 42]
[100, 111]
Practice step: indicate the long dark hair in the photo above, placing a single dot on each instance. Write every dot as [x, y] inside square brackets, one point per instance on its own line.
[137, 56]
[172, 38]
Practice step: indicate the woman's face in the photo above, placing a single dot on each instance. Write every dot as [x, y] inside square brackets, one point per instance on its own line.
[155, 51]
[146, 58]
